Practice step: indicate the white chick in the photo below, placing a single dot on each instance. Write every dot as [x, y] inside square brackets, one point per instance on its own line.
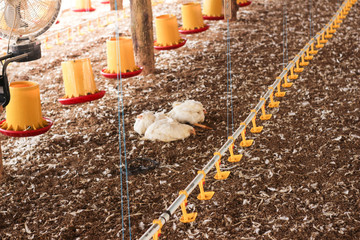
[143, 121]
[190, 111]
[167, 130]
[160, 115]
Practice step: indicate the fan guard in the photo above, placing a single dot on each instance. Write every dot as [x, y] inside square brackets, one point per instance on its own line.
[27, 19]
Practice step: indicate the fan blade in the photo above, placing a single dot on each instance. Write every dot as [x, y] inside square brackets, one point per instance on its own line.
[12, 16]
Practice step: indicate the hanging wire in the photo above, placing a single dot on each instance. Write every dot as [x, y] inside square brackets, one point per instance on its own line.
[286, 34]
[229, 83]
[285, 37]
[121, 125]
[310, 20]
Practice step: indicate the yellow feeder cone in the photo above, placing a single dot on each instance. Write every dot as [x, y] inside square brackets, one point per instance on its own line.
[24, 110]
[78, 78]
[243, 3]
[191, 16]
[167, 33]
[120, 55]
[83, 6]
[213, 8]
[79, 82]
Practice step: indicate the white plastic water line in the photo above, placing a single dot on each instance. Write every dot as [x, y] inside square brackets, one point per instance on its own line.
[165, 216]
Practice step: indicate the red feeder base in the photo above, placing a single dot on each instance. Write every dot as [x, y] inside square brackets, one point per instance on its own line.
[206, 27]
[30, 133]
[244, 4]
[170, 47]
[213, 18]
[84, 10]
[105, 2]
[123, 75]
[81, 99]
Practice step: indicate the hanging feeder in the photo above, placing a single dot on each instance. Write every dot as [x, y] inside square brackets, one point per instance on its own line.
[167, 33]
[79, 82]
[192, 19]
[243, 3]
[23, 114]
[213, 10]
[120, 59]
[83, 6]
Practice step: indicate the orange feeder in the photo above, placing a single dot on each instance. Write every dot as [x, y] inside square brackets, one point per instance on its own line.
[167, 33]
[243, 3]
[120, 59]
[79, 82]
[23, 114]
[83, 6]
[213, 10]
[192, 19]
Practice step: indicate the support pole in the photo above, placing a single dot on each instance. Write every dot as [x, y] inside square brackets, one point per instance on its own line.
[119, 5]
[230, 10]
[142, 34]
[1, 161]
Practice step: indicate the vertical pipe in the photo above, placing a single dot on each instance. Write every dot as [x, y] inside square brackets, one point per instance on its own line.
[142, 34]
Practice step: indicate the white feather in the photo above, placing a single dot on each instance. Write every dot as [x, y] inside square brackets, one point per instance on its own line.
[167, 130]
[160, 115]
[189, 111]
[143, 121]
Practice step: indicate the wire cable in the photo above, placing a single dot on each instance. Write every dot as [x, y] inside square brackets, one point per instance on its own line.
[229, 83]
[310, 20]
[121, 125]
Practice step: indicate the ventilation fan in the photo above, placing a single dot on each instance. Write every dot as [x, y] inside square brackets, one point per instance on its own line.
[21, 21]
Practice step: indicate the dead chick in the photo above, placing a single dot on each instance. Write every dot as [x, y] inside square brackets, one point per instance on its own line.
[167, 130]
